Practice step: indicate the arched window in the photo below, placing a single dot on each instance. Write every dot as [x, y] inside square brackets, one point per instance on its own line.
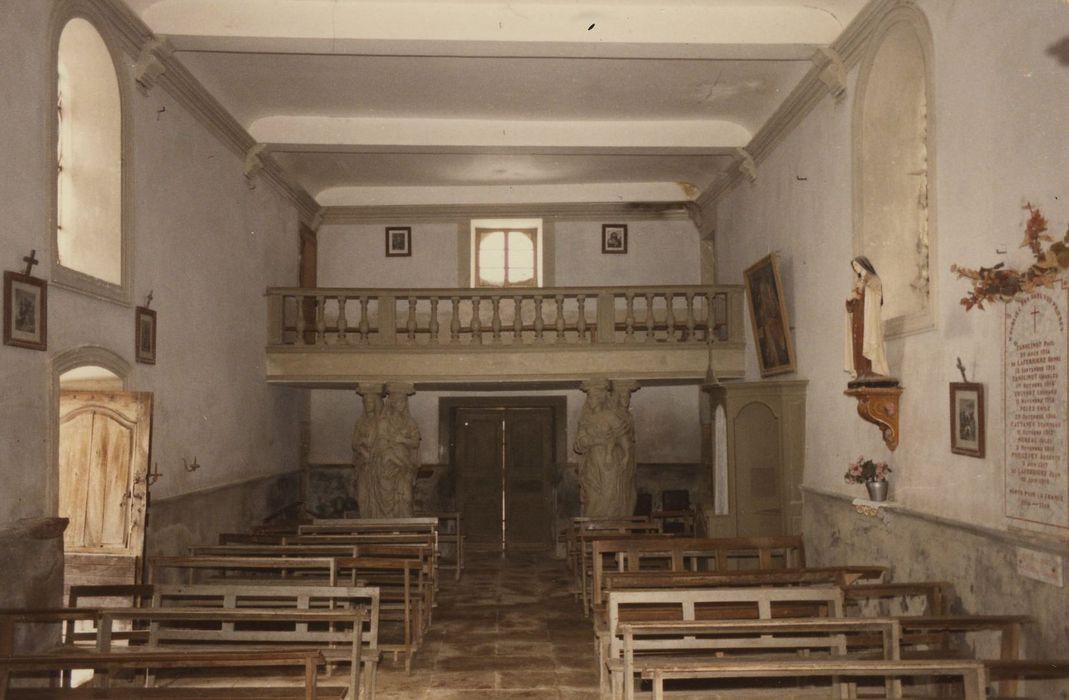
[893, 176]
[88, 245]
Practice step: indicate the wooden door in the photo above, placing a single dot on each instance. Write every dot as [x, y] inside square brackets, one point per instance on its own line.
[478, 464]
[502, 458]
[758, 472]
[529, 451]
[103, 462]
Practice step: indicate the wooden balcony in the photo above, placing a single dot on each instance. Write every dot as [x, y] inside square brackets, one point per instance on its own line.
[537, 337]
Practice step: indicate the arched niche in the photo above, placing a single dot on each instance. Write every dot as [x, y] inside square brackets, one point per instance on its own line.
[894, 176]
[89, 138]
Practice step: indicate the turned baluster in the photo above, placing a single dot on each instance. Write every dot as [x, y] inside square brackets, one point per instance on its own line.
[434, 321]
[365, 324]
[539, 322]
[454, 323]
[410, 326]
[580, 323]
[343, 323]
[321, 320]
[670, 317]
[560, 318]
[476, 322]
[690, 316]
[495, 320]
[629, 318]
[649, 316]
[300, 320]
[517, 320]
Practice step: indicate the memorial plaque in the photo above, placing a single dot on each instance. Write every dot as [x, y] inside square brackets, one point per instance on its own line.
[1036, 385]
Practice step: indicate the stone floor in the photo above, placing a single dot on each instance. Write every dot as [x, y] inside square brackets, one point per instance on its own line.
[510, 628]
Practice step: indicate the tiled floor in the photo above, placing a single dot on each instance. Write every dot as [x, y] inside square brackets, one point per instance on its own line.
[509, 628]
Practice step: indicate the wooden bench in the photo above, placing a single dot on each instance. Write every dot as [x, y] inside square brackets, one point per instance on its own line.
[268, 567]
[972, 673]
[699, 605]
[308, 659]
[450, 533]
[650, 645]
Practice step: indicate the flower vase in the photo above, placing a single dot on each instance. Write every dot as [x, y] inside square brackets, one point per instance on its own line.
[877, 490]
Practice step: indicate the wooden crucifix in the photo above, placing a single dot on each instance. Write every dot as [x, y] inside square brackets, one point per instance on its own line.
[30, 261]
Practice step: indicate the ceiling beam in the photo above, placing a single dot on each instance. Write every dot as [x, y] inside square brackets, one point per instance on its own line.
[522, 194]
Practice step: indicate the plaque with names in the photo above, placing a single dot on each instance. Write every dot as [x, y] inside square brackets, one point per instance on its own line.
[1037, 386]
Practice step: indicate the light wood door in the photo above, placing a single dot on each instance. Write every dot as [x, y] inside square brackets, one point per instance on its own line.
[502, 460]
[103, 461]
[758, 472]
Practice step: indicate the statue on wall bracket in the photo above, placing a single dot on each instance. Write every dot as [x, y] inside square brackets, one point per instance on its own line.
[877, 392]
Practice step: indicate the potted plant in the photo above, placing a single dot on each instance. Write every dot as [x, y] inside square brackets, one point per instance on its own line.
[872, 474]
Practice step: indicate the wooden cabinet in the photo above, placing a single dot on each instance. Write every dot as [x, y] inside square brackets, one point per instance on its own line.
[757, 437]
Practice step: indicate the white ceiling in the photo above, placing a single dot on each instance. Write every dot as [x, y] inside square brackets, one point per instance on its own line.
[487, 101]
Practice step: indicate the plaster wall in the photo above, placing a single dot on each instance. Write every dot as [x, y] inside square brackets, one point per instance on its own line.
[996, 146]
[204, 241]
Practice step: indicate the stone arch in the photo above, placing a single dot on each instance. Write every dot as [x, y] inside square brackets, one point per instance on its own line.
[894, 167]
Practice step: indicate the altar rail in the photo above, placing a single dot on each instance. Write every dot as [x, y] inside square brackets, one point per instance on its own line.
[462, 318]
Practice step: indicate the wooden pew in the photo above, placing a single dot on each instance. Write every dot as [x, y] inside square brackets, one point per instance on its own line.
[650, 645]
[712, 604]
[267, 567]
[973, 673]
[307, 659]
[450, 533]
[589, 532]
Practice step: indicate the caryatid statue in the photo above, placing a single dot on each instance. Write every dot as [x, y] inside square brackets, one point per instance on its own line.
[364, 433]
[624, 452]
[864, 350]
[606, 473]
[394, 457]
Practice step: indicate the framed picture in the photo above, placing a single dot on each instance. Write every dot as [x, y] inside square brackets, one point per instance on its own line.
[25, 311]
[145, 336]
[398, 241]
[768, 313]
[967, 419]
[614, 238]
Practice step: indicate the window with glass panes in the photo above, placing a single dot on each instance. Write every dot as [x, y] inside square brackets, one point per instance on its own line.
[506, 257]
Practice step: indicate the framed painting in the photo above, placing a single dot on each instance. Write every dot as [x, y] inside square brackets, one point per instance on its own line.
[768, 314]
[398, 241]
[967, 434]
[145, 336]
[614, 238]
[25, 311]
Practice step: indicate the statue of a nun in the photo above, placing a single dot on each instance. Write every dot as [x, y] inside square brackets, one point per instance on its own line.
[864, 354]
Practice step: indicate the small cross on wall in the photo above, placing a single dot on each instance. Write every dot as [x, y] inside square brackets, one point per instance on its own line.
[30, 261]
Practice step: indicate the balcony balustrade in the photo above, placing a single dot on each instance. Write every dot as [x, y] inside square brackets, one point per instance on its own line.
[329, 335]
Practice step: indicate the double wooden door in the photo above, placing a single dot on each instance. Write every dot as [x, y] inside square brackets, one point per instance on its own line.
[502, 463]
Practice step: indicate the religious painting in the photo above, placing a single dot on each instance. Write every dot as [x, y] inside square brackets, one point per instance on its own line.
[614, 238]
[145, 336]
[768, 314]
[398, 241]
[967, 419]
[25, 311]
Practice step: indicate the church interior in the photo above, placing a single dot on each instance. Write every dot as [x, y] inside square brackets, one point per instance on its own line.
[476, 348]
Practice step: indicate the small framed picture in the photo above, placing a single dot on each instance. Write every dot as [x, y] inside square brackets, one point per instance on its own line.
[25, 311]
[967, 419]
[768, 316]
[614, 238]
[398, 241]
[145, 336]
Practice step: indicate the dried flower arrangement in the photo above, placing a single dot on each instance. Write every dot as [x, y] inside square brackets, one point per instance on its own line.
[1001, 284]
[864, 471]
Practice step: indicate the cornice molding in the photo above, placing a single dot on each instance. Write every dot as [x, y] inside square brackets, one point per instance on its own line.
[135, 38]
[396, 214]
[849, 47]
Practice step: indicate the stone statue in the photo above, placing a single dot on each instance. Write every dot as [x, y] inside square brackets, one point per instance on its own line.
[394, 457]
[606, 481]
[624, 451]
[864, 352]
[364, 434]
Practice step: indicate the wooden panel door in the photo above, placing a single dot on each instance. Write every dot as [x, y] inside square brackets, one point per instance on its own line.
[758, 472]
[529, 452]
[103, 462]
[479, 461]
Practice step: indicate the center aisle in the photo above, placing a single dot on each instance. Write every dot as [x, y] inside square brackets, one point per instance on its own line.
[510, 628]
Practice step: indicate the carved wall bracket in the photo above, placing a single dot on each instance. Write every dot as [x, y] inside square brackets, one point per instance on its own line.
[879, 405]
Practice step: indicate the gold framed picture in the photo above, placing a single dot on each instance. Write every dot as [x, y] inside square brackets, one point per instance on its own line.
[967, 419]
[768, 314]
[145, 336]
[25, 311]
